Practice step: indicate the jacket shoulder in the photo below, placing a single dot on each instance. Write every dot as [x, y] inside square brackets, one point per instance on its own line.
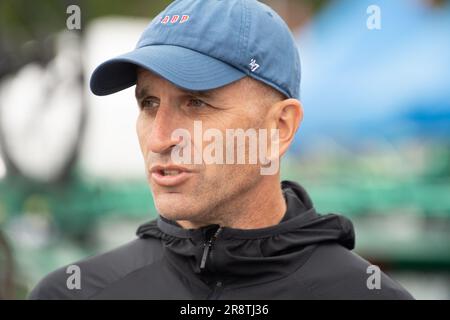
[334, 272]
[96, 272]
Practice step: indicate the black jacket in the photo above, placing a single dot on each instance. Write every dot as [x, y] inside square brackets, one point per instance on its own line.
[305, 256]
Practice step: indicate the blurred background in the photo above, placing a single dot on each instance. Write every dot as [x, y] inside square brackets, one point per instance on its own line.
[374, 144]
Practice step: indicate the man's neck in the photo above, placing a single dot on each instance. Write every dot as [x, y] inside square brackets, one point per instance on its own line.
[262, 206]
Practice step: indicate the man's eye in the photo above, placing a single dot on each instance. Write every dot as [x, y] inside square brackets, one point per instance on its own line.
[196, 103]
[149, 104]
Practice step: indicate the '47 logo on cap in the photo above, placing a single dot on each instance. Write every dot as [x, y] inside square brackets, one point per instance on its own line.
[175, 19]
[253, 65]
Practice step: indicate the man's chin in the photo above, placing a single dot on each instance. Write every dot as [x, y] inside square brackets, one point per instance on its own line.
[175, 206]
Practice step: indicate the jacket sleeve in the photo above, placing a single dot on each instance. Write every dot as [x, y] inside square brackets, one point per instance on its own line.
[52, 287]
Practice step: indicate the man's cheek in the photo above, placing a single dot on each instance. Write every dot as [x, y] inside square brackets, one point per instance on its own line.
[217, 177]
[140, 136]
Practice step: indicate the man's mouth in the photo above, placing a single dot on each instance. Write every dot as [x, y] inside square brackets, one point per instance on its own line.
[169, 175]
[169, 172]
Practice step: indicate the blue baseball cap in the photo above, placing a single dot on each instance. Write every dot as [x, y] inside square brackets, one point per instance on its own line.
[205, 44]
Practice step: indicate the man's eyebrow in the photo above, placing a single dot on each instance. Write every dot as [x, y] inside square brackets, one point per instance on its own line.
[203, 94]
[141, 92]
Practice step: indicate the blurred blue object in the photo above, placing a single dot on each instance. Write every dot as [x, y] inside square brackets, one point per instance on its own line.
[388, 83]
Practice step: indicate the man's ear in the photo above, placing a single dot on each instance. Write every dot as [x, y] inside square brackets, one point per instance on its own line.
[287, 116]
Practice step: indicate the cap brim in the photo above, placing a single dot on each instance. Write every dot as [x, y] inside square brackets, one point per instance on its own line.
[183, 67]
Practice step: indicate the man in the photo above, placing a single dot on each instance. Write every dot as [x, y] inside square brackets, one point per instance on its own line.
[226, 229]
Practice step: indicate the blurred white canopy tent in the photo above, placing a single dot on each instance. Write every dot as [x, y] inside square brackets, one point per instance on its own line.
[41, 112]
[110, 147]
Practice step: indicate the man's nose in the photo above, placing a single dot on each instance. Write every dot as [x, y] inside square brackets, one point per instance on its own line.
[164, 123]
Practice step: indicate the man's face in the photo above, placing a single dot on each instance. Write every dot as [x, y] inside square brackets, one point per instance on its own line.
[197, 192]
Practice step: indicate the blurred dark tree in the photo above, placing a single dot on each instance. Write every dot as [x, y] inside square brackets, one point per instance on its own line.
[27, 27]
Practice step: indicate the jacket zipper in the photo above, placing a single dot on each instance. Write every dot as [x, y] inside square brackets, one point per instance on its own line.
[218, 286]
[207, 248]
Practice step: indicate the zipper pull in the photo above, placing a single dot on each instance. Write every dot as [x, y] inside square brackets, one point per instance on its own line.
[207, 248]
[205, 254]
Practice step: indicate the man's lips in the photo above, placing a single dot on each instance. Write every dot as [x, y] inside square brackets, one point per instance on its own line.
[169, 175]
